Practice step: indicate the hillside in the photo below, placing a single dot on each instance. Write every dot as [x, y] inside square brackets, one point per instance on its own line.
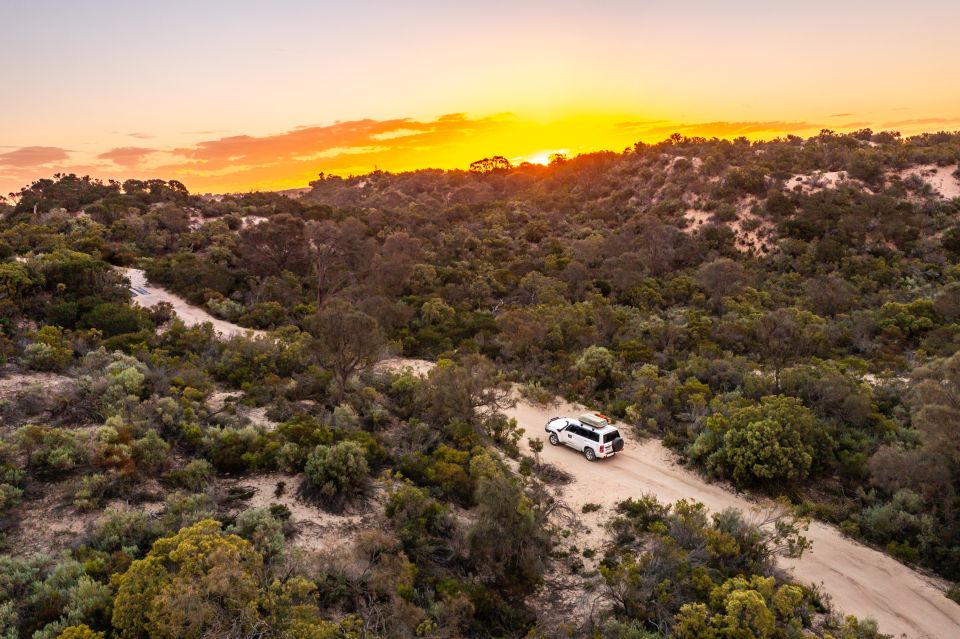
[783, 316]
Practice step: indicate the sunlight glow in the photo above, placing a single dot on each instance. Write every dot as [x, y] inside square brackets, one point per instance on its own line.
[542, 157]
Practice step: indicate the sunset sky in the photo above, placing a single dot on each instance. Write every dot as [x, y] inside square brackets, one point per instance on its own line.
[242, 95]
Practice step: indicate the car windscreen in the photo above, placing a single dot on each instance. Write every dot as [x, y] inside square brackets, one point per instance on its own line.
[612, 435]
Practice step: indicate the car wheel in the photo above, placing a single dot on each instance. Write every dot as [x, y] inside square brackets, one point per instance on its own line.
[554, 439]
[589, 454]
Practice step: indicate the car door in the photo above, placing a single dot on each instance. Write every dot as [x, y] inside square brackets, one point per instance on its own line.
[590, 438]
[575, 437]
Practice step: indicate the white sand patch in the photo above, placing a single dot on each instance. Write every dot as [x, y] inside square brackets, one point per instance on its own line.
[219, 399]
[753, 233]
[258, 417]
[400, 364]
[317, 530]
[816, 181]
[940, 178]
[50, 523]
[883, 380]
[695, 219]
[252, 220]
[16, 384]
[196, 220]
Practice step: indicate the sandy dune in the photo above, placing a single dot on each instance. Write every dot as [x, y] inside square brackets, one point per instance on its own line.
[148, 295]
[861, 581]
[940, 178]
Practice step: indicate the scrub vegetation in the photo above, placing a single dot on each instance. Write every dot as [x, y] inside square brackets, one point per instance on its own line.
[785, 315]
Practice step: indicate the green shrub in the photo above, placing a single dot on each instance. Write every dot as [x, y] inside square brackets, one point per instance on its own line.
[91, 491]
[120, 528]
[151, 453]
[953, 593]
[193, 476]
[337, 472]
[82, 631]
[50, 450]
[237, 449]
[51, 351]
[421, 522]
[773, 442]
[116, 319]
[261, 528]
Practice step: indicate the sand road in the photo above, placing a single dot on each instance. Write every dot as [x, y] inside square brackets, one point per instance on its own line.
[860, 580]
[147, 295]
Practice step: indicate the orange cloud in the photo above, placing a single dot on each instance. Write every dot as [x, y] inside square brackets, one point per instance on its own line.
[127, 156]
[244, 150]
[294, 157]
[33, 156]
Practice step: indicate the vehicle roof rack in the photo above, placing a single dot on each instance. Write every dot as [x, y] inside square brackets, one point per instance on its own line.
[596, 420]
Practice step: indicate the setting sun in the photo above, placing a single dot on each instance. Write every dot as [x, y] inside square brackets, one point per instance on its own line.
[543, 157]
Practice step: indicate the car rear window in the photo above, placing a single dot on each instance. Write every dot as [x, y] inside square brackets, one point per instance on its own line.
[609, 437]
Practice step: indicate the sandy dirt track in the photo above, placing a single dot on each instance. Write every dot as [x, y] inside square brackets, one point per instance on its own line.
[860, 580]
[147, 295]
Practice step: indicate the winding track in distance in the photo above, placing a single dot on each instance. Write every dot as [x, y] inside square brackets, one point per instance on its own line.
[147, 295]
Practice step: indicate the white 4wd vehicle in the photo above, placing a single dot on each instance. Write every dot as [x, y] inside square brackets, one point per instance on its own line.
[591, 433]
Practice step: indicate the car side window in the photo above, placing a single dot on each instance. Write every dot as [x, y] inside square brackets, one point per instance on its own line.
[593, 436]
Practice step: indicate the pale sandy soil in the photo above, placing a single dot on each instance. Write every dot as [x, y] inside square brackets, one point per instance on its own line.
[940, 178]
[16, 384]
[861, 581]
[317, 530]
[147, 295]
[416, 366]
[754, 239]
[49, 522]
[252, 220]
[695, 219]
[746, 240]
[816, 182]
[880, 380]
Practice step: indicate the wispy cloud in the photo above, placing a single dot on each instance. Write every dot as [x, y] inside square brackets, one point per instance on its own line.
[923, 122]
[341, 138]
[33, 156]
[127, 156]
[722, 129]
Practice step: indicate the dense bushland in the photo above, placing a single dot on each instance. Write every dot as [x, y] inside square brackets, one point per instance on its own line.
[800, 341]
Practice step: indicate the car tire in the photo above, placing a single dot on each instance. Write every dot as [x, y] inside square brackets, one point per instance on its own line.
[554, 439]
[589, 454]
